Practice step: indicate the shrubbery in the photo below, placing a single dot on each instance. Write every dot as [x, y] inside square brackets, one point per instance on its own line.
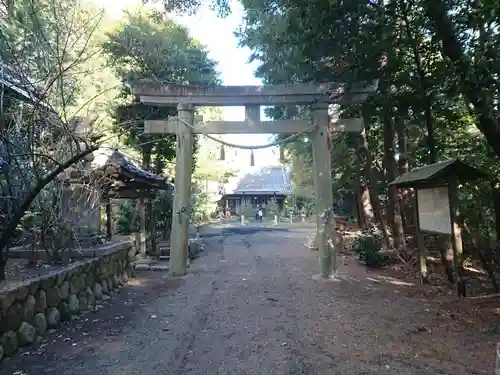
[368, 245]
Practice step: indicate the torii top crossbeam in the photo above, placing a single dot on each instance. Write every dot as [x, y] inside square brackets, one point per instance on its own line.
[217, 95]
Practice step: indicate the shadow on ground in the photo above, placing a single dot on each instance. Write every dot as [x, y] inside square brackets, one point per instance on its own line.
[246, 230]
[87, 333]
[250, 306]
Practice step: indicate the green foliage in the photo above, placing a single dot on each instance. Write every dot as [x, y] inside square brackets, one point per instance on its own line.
[247, 210]
[57, 46]
[200, 207]
[148, 45]
[368, 245]
[209, 171]
[162, 206]
[126, 219]
[272, 208]
[222, 7]
[419, 91]
[52, 48]
[208, 166]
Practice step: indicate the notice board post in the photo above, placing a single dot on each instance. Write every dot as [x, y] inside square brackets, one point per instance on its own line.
[436, 190]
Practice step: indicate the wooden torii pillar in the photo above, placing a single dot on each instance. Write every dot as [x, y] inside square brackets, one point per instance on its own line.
[188, 97]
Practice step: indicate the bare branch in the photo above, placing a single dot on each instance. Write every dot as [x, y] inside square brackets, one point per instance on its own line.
[8, 232]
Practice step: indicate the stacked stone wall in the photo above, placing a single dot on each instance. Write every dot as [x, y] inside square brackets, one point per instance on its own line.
[30, 308]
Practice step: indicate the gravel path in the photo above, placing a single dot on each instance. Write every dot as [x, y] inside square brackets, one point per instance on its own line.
[248, 306]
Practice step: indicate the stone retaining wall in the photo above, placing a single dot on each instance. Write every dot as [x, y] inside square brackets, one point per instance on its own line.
[26, 252]
[30, 308]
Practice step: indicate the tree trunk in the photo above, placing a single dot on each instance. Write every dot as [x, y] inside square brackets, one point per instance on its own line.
[496, 204]
[423, 88]
[472, 83]
[393, 208]
[359, 208]
[389, 166]
[154, 247]
[369, 172]
[377, 209]
[3, 265]
[405, 204]
[366, 206]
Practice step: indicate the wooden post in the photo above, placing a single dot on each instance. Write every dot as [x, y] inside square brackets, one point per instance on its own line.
[152, 229]
[109, 218]
[497, 363]
[182, 193]
[323, 190]
[141, 236]
[422, 251]
[456, 233]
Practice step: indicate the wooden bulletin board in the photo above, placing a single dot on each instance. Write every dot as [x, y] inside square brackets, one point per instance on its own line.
[434, 210]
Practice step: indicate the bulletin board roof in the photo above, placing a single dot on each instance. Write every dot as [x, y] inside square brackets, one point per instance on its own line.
[437, 174]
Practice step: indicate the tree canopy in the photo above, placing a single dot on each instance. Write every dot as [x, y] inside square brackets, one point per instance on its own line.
[149, 45]
[437, 68]
[80, 65]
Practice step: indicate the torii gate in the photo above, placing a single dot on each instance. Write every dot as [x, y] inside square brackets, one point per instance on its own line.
[187, 97]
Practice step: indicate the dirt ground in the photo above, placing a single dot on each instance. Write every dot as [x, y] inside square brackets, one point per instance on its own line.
[250, 305]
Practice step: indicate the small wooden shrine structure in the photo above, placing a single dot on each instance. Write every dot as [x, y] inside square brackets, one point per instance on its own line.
[123, 178]
[110, 174]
